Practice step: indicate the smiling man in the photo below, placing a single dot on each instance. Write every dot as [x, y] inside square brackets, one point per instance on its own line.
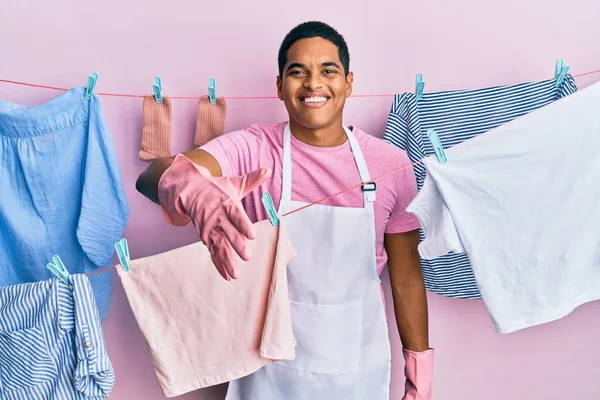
[343, 243]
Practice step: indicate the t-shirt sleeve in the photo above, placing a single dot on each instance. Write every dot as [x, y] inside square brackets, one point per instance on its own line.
[441, 235]
[233, 151]
[400, 220]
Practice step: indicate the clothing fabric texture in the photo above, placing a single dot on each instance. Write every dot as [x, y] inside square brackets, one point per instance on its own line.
[317, 173]
[457, 116]
[61, 191]
[211, 120]
[51, 342]
[156, 129]
[203, 330]
[522, 202]
[338, 317]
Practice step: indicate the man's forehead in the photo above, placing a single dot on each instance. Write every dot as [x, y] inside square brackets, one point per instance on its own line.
[314, 58]
[313, 48]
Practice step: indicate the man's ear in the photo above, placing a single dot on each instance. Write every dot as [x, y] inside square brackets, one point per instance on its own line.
[279, 89]
[349, 83]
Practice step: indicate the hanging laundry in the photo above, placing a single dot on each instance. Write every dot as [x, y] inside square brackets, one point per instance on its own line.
[51, 342]
[203, 330]
[156, 129]
[522, 201]
[211, 120]
[61, 191]
[458, 116]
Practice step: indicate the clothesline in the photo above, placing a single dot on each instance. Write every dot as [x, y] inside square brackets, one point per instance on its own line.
[260, 97]
[315, 202]
[226, 97]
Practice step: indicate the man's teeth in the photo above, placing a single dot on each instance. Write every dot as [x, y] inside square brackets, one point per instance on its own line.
[314, 99]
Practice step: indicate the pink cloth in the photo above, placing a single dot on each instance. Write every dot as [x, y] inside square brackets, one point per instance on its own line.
[318, 172]
[203, 330]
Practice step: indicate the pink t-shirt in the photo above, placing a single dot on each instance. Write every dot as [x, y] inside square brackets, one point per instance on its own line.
[318, 172]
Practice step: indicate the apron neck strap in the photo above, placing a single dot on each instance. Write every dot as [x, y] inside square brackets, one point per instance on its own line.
[286, 187]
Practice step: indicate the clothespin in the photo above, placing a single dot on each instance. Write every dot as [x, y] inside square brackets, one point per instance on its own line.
[270, 207]
[437, 145]
[58, 269]
[212, 96]
[560, 72]
[157, 88]
[419, 86]
[90, 86]
[122, 250]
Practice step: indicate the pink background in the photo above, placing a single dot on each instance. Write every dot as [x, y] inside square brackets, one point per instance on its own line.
[457, 44]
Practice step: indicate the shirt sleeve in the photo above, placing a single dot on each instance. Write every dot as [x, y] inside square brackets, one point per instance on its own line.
[94, 374]
[441, 235]
[400, 220]
[233, 150]
[104, 208]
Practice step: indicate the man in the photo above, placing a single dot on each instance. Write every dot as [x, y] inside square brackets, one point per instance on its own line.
[343, 243]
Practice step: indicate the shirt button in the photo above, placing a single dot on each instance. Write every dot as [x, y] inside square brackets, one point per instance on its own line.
[88, 345]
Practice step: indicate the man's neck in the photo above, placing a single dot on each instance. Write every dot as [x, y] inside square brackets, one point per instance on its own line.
[328, 137]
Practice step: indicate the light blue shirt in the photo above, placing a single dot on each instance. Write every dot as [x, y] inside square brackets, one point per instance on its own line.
[60, 191]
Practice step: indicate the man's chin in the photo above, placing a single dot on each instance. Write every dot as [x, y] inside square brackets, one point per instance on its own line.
[314, 124]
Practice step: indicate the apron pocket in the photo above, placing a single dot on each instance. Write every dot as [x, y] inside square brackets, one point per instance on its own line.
[24, 359]
[328, 338]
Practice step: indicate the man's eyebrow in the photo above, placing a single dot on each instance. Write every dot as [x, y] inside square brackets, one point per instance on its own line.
[330, 64]
[295, 65]
[325, 64]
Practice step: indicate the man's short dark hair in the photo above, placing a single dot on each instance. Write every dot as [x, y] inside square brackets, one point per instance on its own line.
[311, 29]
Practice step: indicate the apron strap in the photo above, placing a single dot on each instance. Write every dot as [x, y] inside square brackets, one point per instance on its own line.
[369, 188]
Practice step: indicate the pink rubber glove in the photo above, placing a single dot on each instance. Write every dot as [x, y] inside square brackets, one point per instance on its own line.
[189, 193]
[418, 370]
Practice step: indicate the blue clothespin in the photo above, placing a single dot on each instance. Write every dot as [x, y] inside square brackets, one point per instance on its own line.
[560, 72]
[270, 207]
[419, 86]
[437, 145]
[58, 269]
[157, 88]
[90, 86]
[212, 96]
[122, 250]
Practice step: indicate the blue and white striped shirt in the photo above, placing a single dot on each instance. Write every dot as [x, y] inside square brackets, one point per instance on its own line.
[457, 116]
[51, 342]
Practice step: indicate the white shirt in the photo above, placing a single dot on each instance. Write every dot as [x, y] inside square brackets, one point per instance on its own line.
[523, 201]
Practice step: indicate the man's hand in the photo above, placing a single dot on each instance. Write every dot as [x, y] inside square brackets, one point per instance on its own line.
[189, 193]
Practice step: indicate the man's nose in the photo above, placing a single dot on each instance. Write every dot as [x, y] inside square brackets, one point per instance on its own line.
[313, 82]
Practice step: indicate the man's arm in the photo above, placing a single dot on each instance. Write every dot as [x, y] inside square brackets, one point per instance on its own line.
[408, 289]
[147, 182]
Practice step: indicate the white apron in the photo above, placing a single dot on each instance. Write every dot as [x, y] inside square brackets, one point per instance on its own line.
[343, 350]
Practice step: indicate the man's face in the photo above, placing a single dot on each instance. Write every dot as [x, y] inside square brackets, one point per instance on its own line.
[313, 85]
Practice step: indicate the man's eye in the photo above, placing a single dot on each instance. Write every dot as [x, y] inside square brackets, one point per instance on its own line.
[330, 71]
